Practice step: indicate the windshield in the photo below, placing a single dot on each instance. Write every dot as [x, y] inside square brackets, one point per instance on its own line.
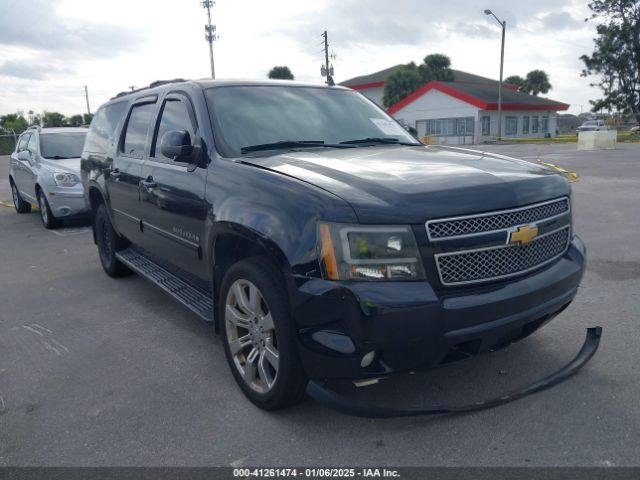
[591, 123]
[245, 116]
[62, 145]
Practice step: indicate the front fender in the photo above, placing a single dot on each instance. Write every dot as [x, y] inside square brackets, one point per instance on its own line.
[278, 211]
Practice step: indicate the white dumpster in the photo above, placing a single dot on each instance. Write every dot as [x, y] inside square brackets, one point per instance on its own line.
[600, 140]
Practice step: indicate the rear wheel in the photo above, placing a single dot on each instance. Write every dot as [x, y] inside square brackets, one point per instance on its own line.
[109, 242]
[259, 335]
[20, 205]
[48, 220]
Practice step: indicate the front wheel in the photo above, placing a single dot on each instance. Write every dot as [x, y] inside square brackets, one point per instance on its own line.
[109, 242]
[48, 220]
[259, 335]
[20, 205]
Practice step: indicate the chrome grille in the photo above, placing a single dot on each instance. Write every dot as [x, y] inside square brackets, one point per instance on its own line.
[488, 222]
[493, 263]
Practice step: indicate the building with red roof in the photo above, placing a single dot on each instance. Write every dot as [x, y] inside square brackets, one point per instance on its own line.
[465, 110]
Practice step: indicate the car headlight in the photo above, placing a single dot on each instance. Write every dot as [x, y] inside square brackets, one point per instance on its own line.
[369, 253]
[64, 179]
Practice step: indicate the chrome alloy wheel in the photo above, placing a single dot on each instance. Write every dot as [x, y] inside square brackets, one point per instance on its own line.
[251, 336]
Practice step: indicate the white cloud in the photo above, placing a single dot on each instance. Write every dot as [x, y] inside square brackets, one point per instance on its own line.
[112, 45]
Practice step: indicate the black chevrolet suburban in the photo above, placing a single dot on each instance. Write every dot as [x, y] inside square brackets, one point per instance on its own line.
[321, 239]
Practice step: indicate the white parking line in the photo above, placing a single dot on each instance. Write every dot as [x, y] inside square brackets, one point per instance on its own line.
[67, 232]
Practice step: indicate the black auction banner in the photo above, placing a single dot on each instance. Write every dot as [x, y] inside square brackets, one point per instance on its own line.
[405, 473]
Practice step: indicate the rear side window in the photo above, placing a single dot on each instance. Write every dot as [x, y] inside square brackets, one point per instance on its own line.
[135, 136]
[175, 116]
[103, 126]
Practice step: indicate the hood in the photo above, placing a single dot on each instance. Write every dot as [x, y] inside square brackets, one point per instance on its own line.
[405, 184]
[71, 165]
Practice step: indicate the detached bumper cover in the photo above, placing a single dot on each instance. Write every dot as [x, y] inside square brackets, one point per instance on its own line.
[331, 399]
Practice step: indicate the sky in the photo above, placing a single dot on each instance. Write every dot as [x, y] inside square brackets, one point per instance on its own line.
[49, 50]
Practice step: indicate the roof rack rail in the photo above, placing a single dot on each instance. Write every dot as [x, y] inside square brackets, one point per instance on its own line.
[157, 83]
[34, 127]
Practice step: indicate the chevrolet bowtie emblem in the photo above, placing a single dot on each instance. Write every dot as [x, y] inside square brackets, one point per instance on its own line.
[523, 235]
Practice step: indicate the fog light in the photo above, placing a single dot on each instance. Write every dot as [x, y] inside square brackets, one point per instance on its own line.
[367, 359]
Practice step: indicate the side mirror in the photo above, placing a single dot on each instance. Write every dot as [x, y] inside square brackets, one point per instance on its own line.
[176, 145]
[24, 156]
[411, 130]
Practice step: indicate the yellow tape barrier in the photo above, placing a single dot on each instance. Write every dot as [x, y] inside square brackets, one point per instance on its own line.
[571, 175]
[10, 205]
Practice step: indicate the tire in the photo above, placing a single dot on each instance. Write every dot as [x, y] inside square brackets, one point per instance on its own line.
[48, 220]
[109, 242]
[20, 205]
[288, 380]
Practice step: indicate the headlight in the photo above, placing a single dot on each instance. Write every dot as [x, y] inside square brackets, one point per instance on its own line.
[370, 253]
[65, 179]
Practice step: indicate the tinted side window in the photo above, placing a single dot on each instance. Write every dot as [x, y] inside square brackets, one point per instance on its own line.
[22, 143]
[103, 125]
[175, 116]
[135, 136]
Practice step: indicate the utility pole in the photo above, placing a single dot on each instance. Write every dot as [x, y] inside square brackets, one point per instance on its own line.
[504, 27]
[86, 96]
[327, 70]
[210, 34]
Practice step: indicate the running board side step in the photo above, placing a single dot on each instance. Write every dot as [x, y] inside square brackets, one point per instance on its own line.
[331, 399]
[193, 298]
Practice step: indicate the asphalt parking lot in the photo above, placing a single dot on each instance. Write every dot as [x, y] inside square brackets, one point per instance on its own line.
[97, 371]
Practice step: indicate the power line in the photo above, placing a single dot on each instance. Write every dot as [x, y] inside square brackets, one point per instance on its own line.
[210, 33]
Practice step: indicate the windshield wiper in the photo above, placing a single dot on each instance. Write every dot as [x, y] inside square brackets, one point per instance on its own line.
[290, 144]
[58, 157]
[377, 140]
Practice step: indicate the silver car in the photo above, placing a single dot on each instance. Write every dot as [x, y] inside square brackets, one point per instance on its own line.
[592, 126]
[45, 171]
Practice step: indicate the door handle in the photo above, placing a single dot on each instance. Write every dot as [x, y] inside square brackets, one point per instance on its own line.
[148, 184]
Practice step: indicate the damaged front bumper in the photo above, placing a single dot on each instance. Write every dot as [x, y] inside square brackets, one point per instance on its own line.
[319, 391]
[359, 330]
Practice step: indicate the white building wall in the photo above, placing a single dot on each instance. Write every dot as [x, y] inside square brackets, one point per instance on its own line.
[493, 115]
[374, 94]
[433, 105]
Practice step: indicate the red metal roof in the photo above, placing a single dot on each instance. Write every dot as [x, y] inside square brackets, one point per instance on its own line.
[483, 97]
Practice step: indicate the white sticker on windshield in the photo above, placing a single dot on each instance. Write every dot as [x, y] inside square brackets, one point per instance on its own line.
[388, 127]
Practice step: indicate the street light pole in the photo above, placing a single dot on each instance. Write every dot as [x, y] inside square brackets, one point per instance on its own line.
[504, 27]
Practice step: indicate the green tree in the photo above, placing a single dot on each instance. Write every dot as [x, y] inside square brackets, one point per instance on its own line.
[14, 122]
[410, 77]
[75, 120]
[616, 57]
[86, 118]
[281, 73]
[515, 80]
[536, 82]
[402, 82]
[53, 119]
